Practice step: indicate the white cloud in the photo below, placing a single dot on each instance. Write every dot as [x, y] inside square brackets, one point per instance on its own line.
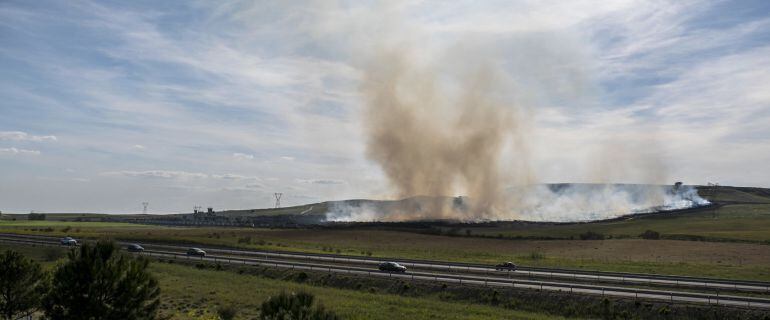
[138, 147]
[321, 181]
[15, 151]
[243, 156]
[165, 174]
[172, 174]
[287, 158]
[23, 136]
[230, 176]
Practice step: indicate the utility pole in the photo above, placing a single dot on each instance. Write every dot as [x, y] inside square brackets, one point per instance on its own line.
[144, 207]
[278, 199]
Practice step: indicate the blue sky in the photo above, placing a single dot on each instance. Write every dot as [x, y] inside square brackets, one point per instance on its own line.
[222, 103]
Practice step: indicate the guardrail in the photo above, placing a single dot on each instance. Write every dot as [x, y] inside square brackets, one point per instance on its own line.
[672, 296]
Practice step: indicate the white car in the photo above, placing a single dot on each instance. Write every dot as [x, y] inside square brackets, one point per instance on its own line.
[68, 241]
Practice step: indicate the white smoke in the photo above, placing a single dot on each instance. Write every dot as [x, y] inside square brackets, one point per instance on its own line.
[554, 203]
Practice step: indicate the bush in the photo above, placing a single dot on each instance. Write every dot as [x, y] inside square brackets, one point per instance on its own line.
[98, 282]
[650, 235]
[295, 306]
[227, 312]
[590, 235]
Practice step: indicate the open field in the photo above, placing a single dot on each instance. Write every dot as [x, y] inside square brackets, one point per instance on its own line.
[737, 222]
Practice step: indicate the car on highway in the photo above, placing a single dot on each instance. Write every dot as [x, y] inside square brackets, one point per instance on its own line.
[392, 267]
[506, 266]
[68, 241]
[134, 248]
[196, 252]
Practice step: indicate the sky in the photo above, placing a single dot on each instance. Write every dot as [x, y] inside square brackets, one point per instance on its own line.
[108, 104]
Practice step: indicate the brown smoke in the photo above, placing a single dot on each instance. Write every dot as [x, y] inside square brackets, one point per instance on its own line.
[437, 134]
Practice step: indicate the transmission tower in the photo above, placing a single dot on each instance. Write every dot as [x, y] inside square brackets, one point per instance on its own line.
[278, 199]
[144, 207]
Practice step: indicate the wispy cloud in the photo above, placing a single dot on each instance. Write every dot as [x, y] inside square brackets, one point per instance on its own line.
[23, 136]
[321, 181]
[243, 156]
[14, 151]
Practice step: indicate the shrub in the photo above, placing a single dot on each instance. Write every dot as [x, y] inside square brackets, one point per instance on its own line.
[650, 235]
[227, 312]
[296, 306]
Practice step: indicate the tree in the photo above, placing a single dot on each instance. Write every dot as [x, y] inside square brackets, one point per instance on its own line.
[294, 306]
[36, 216]
[22, 283]
[97, 282]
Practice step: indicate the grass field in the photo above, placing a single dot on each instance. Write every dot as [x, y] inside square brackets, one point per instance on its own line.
[190, 293]
[739, 222]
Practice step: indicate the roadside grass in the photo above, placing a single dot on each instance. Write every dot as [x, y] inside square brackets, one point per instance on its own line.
[188, 293]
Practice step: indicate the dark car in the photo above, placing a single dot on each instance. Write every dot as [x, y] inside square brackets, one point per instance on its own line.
[509, 266]
[392, 267]
[134, 248]
[68, 241]
[196, 252]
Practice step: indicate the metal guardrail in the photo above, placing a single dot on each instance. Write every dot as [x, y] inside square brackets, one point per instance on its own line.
[671, 296]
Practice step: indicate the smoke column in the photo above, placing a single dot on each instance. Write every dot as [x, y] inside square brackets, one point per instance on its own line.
[436, 134]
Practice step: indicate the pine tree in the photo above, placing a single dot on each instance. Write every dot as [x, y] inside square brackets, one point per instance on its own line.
[97, 282]
[22, 283]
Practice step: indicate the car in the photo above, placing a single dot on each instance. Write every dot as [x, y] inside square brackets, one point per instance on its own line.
[506, 266]
[392, 267]
[134, 248]
[68, 241]
[196, 252]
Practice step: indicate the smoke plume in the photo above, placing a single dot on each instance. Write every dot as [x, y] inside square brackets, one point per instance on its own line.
[437, 136]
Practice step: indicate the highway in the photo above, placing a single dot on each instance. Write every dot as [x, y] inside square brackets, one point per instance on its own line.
[623, 285]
